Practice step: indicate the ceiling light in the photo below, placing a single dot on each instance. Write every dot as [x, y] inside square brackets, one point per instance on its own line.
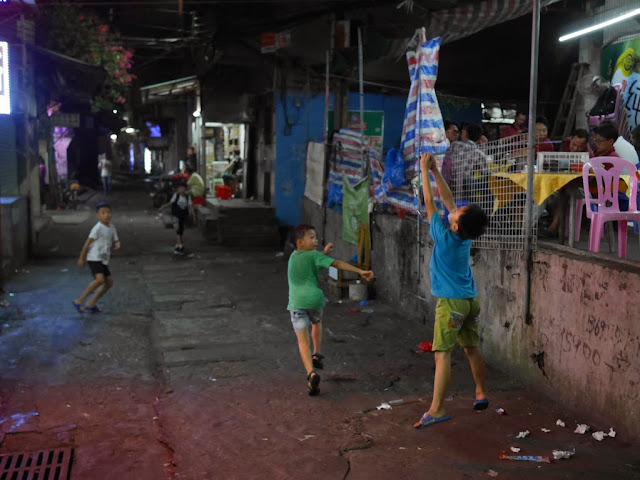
[130, 130]
[598, 26]
[115, 111]
[196, 113]
[114, 137]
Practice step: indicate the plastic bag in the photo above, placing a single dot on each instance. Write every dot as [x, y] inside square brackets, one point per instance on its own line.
[394, 168]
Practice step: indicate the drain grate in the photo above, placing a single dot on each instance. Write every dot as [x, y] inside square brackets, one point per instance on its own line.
[44, 465]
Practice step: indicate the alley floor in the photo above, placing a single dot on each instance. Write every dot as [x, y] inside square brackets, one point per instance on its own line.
[192, 373]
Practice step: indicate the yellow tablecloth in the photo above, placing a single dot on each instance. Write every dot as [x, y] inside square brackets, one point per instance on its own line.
[505, 185]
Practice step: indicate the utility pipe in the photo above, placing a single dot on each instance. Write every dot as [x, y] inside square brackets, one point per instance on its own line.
[533, 98]
[361, 81]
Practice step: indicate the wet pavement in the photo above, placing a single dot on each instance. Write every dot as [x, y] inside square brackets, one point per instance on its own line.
[192, 372]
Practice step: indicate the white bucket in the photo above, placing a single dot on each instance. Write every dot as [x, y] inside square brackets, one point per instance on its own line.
[358, 291]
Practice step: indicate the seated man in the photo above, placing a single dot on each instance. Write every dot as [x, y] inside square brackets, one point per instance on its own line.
[231, 173]
[543, 142]
[557, 203]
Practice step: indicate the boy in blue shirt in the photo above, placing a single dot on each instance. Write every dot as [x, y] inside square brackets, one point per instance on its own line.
[306, 300]
[452, 282]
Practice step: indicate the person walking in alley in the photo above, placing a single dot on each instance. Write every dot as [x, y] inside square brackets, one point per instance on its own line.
[104, 164]
[180, 204]
[452, 283]
[97, 252]
[306, 300]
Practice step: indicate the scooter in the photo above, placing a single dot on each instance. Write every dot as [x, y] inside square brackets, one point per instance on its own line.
[162, 189]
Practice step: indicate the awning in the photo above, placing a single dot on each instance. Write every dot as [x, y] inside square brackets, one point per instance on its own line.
[460, 22]
[159, 91]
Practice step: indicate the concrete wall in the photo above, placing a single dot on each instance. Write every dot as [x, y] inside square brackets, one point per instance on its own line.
[582, 346]
[304, 122]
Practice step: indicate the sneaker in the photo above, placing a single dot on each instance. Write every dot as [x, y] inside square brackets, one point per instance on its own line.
[177, 251]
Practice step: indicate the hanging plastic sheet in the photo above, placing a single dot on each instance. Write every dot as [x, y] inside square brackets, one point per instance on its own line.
[423, 128]
[355, 209]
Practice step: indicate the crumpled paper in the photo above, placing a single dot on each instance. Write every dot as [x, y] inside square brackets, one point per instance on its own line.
[523, 434]
[384, 406]
[545, 430]
[582, 428]
[515, 450]
[560, 423]
[558, 454]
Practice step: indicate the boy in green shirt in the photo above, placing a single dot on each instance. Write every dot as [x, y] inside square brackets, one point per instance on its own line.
[306, 300]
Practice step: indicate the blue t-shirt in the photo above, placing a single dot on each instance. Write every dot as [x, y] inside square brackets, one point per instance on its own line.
[451, 275]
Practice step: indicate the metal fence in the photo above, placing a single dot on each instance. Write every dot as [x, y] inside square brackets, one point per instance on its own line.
[494, 175]
[484, 174]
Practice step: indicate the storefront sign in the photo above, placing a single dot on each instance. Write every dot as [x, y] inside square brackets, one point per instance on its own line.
[272, 41]
[5, 98]
[621, 64]
[373, 126]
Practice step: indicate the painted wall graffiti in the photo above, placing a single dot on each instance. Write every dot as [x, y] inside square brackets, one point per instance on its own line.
[603, 344]
[621, 64]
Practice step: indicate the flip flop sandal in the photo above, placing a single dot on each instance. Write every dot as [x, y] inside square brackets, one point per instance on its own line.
[480, 404]
[313, 383]
[428, 419]
[94, 309]
[79, 307]
[317, 360]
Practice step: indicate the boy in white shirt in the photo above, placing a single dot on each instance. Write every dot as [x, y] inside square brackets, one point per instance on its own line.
[97, 252]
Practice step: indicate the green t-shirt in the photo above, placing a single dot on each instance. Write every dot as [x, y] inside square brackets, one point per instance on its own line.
[304, 293]
[196, 184]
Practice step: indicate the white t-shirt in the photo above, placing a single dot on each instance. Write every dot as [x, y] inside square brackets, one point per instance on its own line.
[626, 150]
[183, 202]
[103, 238]
[105, 166]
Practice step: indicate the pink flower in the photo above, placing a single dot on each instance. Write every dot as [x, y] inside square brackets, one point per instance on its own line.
[102, 29]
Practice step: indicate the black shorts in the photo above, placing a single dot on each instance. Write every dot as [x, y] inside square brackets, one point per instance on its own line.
[99, 267]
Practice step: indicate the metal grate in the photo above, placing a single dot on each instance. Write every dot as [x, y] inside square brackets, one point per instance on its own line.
[489, 175]
[43, 465]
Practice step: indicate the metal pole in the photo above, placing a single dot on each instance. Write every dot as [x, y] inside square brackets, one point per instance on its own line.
[361, 81]
[533, 99]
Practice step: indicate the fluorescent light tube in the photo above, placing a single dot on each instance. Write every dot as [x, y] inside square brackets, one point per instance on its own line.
[598, 26]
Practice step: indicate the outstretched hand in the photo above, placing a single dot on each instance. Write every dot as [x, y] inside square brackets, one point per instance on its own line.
[426, 161]
[328, 248]
[367, 274]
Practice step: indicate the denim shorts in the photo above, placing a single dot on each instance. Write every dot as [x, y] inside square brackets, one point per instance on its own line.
[302, 319]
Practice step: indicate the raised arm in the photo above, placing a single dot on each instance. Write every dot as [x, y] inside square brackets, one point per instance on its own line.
[428, 163]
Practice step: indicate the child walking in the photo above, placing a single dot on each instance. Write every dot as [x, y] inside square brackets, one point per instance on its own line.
[452, 282]
[306, 300]
[180, 205]
[97, 252]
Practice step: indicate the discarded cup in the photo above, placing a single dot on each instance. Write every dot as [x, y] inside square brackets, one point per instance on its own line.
[397, 401]
[500, 411]
[364, 302]
[353, 310]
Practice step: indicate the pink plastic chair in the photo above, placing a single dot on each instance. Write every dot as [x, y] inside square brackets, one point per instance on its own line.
[607, 182]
